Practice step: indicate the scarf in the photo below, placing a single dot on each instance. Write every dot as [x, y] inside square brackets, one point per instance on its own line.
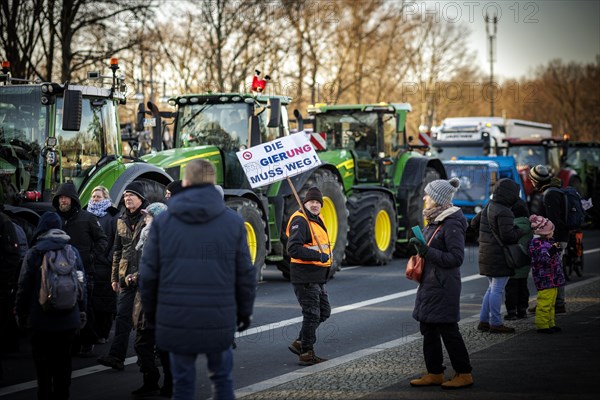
[431, 214]
[99, 208]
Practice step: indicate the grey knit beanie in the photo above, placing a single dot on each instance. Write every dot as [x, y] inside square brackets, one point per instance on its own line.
[539, 175]
[442, 191]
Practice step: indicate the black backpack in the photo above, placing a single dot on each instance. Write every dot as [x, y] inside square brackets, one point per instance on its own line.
[574, 213]
[60, 288]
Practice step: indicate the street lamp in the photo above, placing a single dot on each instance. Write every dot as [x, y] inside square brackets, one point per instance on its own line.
[491, 28]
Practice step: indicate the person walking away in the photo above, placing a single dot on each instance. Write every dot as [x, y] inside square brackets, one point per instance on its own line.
[496, 220]
[310, 267]
[53, 330]
[437, 304]
[517, 293]
[145, 329]
[553, 207]
[90, 240]
[125, 262]
[197, 280]
[547, 272]
[104, 298]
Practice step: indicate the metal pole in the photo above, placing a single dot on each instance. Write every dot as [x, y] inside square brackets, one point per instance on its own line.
[491, 28]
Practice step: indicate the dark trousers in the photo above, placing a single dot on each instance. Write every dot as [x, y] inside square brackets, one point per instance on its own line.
[516, 296]
[145, 348]
[104, 321]
[314, 301]
[88, 335]
[123, 324]
[433, 335]
[51, 352]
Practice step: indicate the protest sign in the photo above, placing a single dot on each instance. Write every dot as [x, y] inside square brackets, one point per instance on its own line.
[278, 159]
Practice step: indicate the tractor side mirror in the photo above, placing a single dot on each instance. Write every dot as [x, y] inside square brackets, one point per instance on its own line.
[299, 120]
[141, 112]
[273, 113]
[253, 131]
[72, 107]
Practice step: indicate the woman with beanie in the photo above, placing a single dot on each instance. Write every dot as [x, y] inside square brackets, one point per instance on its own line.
[437, 304]
[104, 298]
[495, 223]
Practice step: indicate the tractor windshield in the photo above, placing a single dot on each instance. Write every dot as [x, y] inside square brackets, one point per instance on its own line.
[221, 125]
[476, 181]
[528, 156]
[23, 127]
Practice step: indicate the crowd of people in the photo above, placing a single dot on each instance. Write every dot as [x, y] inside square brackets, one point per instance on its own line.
[139, 270]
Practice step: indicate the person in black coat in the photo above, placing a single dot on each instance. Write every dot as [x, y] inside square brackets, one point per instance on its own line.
[104, 298]
[90, 240]
[553, 207]
[496, 220]
[53, 331]
[437, 304]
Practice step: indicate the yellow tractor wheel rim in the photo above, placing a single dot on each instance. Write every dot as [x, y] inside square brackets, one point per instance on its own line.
[383, 230]
[251, 236]
[330, 219]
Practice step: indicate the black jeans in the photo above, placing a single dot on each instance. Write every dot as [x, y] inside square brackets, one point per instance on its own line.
[51, 352]
[123, 324]
[314, 301]
[433, 335]
[516, 296]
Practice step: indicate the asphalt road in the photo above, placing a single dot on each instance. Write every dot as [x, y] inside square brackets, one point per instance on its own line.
[371, 305]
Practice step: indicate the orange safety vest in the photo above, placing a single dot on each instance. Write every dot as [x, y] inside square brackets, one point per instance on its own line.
[320, 234]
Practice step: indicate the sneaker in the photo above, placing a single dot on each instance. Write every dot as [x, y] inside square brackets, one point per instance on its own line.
[428, 380]
[556, 329]
[459, 381]
[296, 347]
[309, 358]
[545, 330]
[510, 317]
[501, 329]
[483, 326]
[111, 361]
[560, 309]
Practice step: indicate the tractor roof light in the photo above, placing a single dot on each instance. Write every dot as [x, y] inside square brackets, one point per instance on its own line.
[172, 102]
[5, 66]
[183, 100]
[114, 63]
[224, 99]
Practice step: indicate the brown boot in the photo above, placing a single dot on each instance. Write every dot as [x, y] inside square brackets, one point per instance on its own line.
[459, 381]
[309, 358]
[428, 380]
[296, 347]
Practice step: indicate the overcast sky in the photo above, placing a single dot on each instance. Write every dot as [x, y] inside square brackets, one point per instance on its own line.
[529, 33]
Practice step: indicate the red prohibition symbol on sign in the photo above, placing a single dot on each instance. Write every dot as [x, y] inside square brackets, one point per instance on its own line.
[247, 155]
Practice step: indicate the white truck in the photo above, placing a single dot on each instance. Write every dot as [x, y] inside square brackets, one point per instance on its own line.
[481, 136]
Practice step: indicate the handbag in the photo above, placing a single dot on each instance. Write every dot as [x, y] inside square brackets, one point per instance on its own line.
[514, 254]
[416, 263]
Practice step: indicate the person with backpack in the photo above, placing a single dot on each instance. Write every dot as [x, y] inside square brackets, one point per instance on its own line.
[554, 207]
[90, 240]
[55, 312]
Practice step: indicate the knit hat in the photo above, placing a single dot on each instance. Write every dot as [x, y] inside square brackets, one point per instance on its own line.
[540, 225]
[136, 188]
[442, 191]
[174, 187]
[539, 175]
[155, 209]
[313, 194]
[49, 220]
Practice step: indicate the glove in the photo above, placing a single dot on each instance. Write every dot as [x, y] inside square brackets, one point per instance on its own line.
[243, 323]
[420, 246]
[82, 319]
[323, 257]
[131, 280]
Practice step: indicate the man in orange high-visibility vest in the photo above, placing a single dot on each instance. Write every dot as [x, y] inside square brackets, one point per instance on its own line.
[310, 265]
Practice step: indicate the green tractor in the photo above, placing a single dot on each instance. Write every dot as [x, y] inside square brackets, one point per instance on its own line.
[382, 175]
[52, 133]
[214, 126]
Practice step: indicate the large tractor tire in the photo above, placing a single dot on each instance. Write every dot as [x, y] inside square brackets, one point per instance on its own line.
[153, 191]
[416, 204]
[255, 231]
[334, 214]
[373, 229]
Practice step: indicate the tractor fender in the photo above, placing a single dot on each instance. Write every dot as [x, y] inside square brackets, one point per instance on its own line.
[412, 177]
[140, 170]
[28, 214]
[261, 202]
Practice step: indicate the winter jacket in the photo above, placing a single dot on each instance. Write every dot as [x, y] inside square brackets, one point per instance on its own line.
[554, 208]
[104, 298]
[497, 216]
[546, 267]
[83, 228]
[126, 259]
[299, 235]
[30, 282]
[196, 275]
[438, 295]
[523, 224]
